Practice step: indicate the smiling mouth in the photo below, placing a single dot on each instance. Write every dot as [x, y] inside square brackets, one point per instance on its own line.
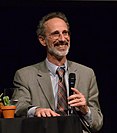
[62, 47]
[61, 43]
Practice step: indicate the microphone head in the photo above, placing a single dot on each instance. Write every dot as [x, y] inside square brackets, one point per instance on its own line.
[72, 79]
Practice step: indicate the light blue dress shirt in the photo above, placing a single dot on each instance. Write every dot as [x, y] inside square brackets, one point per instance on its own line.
[54, 78]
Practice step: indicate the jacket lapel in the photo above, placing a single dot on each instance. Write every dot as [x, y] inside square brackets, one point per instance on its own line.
[46, 86]
[73, 68]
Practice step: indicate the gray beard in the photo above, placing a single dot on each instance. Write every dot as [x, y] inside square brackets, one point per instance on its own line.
[57, 53]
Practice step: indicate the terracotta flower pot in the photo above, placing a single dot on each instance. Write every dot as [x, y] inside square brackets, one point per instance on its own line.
[8, 111]
[1, 104]
[0, 112]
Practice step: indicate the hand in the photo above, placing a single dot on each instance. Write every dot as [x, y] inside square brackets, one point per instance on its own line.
[78, 100]
[45, 112]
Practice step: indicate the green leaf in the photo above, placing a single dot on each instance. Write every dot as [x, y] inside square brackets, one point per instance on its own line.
[6, 100]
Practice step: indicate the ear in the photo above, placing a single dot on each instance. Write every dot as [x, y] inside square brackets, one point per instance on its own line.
[42, 40]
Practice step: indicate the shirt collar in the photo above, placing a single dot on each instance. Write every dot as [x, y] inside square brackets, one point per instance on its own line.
[52, 67]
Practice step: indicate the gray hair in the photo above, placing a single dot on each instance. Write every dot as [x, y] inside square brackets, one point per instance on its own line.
[41, 29]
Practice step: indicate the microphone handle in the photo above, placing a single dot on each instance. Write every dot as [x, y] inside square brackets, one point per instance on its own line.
[72, 78]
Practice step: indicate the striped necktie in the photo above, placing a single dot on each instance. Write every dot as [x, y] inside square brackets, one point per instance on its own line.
[62, 92]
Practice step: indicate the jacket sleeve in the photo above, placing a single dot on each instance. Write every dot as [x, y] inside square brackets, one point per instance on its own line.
[93, 103]
[21, 94]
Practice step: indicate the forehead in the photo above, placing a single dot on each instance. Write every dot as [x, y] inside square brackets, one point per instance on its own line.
[55, 24]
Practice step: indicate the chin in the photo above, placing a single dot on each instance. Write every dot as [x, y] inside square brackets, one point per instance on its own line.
[61, 54]
[57, 53]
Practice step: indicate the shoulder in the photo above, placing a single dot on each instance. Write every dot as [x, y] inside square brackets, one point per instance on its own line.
[27, 68]
[80, 67]
[30, 69]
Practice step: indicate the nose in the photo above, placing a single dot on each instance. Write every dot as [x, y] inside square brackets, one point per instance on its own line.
[61, 37]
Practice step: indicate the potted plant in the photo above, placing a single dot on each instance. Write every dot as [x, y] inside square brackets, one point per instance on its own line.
[8, 109]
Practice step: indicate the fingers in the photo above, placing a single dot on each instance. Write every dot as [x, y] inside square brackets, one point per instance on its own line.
[77, 94]
[77, 102]
[76, 91]
[77, 99]
[44, 112]
[74, 96]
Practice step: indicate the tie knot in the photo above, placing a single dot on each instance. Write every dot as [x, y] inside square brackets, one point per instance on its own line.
[61, 72]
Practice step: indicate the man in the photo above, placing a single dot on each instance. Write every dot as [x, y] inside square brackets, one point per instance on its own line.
[37, 85]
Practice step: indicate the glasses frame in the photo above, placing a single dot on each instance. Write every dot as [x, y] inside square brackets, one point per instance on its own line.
[56, 34]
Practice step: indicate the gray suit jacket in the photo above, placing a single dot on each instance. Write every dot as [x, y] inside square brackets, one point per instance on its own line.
[33, 88]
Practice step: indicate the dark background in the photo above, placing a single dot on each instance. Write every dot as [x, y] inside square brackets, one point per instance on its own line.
[93, 43]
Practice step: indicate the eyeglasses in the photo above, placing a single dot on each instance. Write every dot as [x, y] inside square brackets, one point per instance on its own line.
[56, 34]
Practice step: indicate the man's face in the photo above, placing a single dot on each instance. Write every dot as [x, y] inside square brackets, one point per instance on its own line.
[57, 37]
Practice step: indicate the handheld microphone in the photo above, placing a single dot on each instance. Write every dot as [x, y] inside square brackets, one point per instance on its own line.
[72, 79]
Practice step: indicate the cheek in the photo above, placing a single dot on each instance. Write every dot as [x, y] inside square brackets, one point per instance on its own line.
[68, 39]
[50, 43]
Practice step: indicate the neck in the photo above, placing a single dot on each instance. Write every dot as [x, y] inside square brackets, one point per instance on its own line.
[57, 61]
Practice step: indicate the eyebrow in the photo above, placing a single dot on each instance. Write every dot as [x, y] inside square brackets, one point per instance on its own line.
[59, 31]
